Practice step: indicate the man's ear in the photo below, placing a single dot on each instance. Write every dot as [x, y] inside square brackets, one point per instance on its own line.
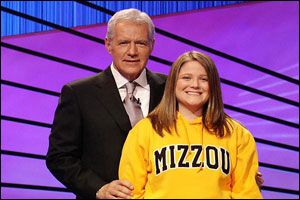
[153, 42]
[108, 45]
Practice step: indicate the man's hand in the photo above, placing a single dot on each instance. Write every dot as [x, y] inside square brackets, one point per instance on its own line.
[259, 179]
[115, 189]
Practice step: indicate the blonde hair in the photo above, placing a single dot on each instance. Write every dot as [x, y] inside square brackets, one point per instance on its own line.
[214, 119]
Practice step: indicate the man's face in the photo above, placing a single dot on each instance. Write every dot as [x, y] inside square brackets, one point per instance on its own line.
[130, 48]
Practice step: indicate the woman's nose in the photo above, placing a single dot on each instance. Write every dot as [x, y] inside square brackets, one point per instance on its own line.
[195, 83]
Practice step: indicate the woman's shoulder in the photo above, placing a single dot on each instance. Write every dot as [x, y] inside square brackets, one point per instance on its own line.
[239, 129]
[143, 123]
[144, 126]
[141, 132]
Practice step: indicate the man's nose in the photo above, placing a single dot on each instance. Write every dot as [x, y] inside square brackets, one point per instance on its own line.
[132, 51]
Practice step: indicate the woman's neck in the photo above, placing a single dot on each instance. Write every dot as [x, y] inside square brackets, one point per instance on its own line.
[190, 115]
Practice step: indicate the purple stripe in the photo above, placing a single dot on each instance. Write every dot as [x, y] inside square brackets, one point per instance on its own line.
[267, 130]
[278, 195]
[25, 104]
[21, 170]
[66, 46]
[38, 72]
[277, 156]
[260, 104]
[158, 67]
[280, 179]
[24, 138]
[18, 193]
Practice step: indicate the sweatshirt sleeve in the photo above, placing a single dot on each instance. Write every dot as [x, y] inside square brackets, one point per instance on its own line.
[134, 160]
[243, 177]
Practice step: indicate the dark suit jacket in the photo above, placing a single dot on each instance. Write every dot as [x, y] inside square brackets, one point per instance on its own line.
[89, 130]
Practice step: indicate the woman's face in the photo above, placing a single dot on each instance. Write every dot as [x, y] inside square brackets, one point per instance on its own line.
[192, 89]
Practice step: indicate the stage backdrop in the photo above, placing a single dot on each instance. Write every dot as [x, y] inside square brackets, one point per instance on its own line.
[255, 47]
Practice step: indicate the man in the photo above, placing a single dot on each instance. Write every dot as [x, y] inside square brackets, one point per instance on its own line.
[92, 119]
[91, 123]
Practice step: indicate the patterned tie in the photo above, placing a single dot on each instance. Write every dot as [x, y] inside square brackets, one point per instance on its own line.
[131, 105]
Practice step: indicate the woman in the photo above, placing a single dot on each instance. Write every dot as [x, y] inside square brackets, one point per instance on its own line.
[188, 147]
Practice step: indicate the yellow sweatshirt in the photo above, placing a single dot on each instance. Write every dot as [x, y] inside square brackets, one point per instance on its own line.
[171, 166]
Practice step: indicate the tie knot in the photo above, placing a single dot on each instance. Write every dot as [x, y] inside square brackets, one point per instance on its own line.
[130, 87]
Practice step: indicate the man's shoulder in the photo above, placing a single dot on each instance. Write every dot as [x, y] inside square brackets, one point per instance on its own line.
[162, 76]
[158, 77]
[85, 85]
[84, 81]
[99, 78]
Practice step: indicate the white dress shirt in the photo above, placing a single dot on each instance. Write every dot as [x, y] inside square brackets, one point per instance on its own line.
[141, 92]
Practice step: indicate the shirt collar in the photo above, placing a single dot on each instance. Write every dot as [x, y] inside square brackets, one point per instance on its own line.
[121, 80]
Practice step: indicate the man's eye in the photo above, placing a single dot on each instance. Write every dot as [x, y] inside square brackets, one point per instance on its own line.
[142, 43]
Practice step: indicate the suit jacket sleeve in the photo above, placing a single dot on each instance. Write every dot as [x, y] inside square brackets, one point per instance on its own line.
[65, 148]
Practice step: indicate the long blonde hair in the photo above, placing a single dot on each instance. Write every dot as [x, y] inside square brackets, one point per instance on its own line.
[214, 119]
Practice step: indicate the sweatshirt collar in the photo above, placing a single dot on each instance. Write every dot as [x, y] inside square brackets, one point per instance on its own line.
[194, 122]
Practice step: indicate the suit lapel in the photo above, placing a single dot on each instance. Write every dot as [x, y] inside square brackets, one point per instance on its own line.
[109, 96]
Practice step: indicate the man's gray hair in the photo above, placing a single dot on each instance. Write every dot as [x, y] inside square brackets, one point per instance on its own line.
[132, 15]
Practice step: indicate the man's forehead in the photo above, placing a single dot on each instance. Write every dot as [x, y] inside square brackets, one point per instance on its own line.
[127, 33]
[128, 25]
